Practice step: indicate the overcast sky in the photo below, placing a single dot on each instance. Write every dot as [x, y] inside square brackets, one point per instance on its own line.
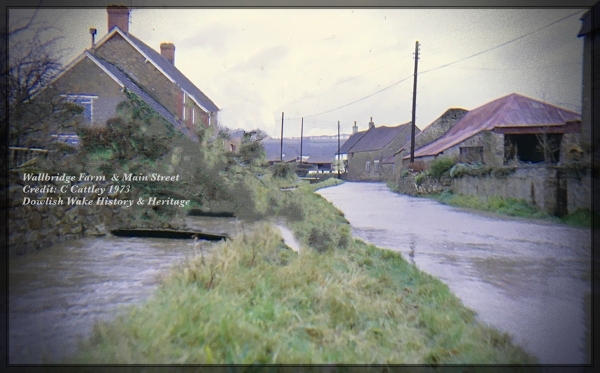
[256, 63]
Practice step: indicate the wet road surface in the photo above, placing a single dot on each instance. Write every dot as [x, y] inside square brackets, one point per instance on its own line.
[529, 278]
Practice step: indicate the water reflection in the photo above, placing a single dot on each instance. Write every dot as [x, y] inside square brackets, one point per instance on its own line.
[527, 278]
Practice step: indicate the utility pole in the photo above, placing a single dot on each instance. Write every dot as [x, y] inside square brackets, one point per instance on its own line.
[414, 105]
[338, 152]
[281, 146]
[301, 138]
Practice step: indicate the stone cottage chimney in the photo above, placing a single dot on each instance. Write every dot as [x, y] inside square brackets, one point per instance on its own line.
[354, 128]
[118, 15]
[167, 50]
[371, 124]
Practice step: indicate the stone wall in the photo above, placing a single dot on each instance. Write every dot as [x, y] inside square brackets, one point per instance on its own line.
[357, 160]
[429, 134]
[85, 77]
[536, 185]
[427, 185]
[35, 227]
[556, 190]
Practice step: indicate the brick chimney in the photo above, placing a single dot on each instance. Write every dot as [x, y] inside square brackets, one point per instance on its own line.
[167, 50]
[371, 124]
[118, 15]
[354, 128]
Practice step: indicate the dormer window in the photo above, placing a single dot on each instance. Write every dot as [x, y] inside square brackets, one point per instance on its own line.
[87, 101]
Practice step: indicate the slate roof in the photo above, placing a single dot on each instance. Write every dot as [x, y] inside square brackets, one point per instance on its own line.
[315, 159]
[513, 110]
[377, 138]
[177, 75]
[353, 139]
[389, 160]
[128, 83]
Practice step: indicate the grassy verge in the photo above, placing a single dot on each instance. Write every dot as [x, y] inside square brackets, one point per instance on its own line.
[256, 301]
[515, 207]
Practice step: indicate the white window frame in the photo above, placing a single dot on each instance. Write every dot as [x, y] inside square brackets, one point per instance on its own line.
[376, 165]
[193, 115]
[91, 98]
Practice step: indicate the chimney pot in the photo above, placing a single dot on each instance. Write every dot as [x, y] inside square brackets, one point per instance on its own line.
[93, 32]
[354, 128]
[118, 15]
[371, 124]
[167, 50]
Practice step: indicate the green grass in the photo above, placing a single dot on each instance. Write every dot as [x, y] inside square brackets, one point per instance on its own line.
[338, 301]
[505, 206]
[515, 207]
[582, 218]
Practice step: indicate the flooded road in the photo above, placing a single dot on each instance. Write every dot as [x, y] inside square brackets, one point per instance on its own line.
[529, 278]
[56, 294]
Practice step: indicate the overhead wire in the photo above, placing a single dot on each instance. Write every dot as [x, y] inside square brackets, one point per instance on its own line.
[444, 65]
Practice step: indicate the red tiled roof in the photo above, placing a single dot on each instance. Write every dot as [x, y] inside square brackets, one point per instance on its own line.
[514, 110]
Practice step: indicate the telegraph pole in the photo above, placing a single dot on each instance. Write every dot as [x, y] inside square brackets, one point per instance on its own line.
[281, 146]
[301, 138]
[414, 105]
[338, 152]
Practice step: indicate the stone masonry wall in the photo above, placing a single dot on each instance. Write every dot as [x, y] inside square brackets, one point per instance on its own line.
[538, 185]
[85, 77]
[35, 227]
[118, 51]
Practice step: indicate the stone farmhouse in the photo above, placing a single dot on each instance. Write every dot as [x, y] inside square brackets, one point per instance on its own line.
[120, 64]
[366, 150]
[427, 135]
[508, 129]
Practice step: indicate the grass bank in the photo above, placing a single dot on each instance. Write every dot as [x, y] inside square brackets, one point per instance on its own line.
[339, 301]
[515, 207]
[582, 218]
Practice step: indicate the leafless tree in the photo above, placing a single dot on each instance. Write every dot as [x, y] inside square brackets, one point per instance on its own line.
[549, 146]
[33, 62]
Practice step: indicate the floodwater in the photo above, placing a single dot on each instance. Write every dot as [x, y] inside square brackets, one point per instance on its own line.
[56, 294]
[531, 279]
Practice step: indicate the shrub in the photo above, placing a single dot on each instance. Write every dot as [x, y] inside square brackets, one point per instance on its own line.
[441, 165]
[283, 171]
[418, 166]
[419, 178]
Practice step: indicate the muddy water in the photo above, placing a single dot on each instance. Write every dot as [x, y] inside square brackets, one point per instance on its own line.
[56, 294]
[528, 278]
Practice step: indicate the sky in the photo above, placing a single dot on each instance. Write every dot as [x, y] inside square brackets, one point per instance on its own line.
[350, 64]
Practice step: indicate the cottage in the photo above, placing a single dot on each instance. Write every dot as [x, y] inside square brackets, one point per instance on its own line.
[367, 149]
[319, 163]
[429, 134]
[510, 128]
[120, 65]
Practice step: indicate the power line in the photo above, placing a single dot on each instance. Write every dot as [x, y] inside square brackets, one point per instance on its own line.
[501, 45]
[445, 65]
[349, 79]
[360, 99]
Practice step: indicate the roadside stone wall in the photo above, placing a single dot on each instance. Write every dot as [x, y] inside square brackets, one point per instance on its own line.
[539, 185]
[427, 185]
[35, 227]
[536, 185]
